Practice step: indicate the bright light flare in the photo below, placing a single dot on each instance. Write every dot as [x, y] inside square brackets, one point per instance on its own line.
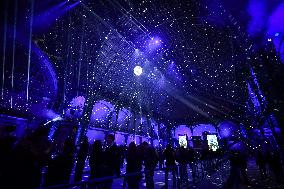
[138, 70]
[53, 120]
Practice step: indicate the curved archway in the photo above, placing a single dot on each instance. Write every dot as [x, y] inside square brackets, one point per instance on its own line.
[227, 129]
[35, 94]
[123, 117]
[182, 130]
[101, 110]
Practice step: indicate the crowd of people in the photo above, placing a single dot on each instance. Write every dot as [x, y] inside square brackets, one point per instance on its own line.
[34, 161]
[24, 161]
[267, 159]
[270, 158]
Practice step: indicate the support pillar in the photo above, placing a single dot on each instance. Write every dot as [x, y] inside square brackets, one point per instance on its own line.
[126, 138]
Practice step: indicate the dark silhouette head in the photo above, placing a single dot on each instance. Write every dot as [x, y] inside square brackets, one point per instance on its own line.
[41, 131]
[168, 146]
[110, 139]
[145, 144]
[97, 146]
[132, 146]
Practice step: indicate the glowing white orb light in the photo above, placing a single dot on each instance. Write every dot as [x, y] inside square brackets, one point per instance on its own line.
[138, 70]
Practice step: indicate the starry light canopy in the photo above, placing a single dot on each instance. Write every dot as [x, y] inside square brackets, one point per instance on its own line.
[193, 62]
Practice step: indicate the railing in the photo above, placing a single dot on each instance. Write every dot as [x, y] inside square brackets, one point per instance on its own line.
[197, 170]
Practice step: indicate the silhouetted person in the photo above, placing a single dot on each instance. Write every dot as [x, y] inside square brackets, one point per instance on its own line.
[96, 163]
[81, 158]
[182, 160]
[29, 156]
[122, 152]
[191, 158]
[234, 177]
[7, 142]
[276, 166]
[161, 158]
[140, 154]
[150, 158]
[60, 168]
[133, 166]
[111, 165]
[243, 167]
[261, 163]
[169, 155]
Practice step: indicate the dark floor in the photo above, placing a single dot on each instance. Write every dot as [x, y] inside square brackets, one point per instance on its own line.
[213, 180]
[217, 179]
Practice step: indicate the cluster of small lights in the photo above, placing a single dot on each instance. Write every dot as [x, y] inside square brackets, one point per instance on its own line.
[177, 46]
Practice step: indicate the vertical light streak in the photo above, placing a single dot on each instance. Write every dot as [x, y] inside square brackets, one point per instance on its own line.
[30, 47]
[14, 42]
[4, 50]
[68, 54]
[80, 58]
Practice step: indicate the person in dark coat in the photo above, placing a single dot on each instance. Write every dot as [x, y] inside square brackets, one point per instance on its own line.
[96, 159]
[182, 160]
[81, 158]
[150, 158]
[243, 167]
[111, 164]
[29, 156]
[133, 166]
[7, 142]
[234, 177]
[276, 165]
[95, 162]
[261, 163]
[170, 157]
[161, 158]
[60, 168]
[192, 163]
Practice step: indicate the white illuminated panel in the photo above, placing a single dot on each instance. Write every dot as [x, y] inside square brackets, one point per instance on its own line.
[182, 141]
[212, 142]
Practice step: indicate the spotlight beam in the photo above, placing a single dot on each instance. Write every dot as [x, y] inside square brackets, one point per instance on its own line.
[176, 94]
[106, 24]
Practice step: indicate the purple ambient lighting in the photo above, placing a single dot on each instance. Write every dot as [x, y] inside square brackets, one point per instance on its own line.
[155, 43]
[257, 11]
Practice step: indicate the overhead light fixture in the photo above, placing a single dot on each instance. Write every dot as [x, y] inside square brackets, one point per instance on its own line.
[138, 70]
